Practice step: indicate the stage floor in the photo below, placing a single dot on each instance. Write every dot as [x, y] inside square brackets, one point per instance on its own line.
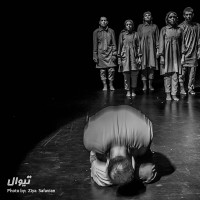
[59, 164]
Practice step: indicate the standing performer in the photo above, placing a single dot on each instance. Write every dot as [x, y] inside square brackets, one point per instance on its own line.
[105, 52]
[149, 44]
[192, 50]
[170, 51]
[120, 134]
[128, 57]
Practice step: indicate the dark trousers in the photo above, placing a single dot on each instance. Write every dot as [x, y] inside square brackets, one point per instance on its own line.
[147, 73]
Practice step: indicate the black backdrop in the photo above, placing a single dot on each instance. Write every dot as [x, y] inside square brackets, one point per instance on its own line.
[49, 59]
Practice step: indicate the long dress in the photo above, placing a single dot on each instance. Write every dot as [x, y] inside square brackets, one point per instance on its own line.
[149, 43]
[122, 125]
[171, 48]
[128, 49]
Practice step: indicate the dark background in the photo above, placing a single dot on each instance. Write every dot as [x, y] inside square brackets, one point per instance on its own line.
[49, 63]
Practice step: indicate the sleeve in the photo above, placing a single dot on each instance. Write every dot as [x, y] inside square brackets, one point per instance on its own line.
[137, 43]
[157, 36]
[162, 42]
[99, 173]
[183, 49]
[198, 38]
[139, 31]
[95, 46]
[120, 44]
[114, 49]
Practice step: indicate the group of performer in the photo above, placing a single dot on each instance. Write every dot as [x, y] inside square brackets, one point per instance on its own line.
[119, 137]
[174, 50]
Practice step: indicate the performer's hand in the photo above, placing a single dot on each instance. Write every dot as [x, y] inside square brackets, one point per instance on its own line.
[113, 58]
[95, 60]
[162, 60]
[92, 156]
[119, 62]
[182, 59]
[157, 54]
[114, 53]
[198, 54]
[147, 172]
[139, 61]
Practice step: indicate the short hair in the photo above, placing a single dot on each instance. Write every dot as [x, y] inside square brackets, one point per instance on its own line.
[120, 170]
[129, 20]
[103, 17]
[188, 9]
[147, 12]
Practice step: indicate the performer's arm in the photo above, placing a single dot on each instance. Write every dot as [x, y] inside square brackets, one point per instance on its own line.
[95, 47]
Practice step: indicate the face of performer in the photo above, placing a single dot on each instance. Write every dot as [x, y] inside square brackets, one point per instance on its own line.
[147, 17]
[172, 19]
[129, 26]
[103, 22]
[188, 16]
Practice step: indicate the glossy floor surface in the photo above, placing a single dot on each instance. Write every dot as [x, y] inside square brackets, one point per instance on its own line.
[59, 163]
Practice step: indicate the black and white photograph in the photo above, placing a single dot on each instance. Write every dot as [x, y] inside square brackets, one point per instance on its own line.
[102, 100]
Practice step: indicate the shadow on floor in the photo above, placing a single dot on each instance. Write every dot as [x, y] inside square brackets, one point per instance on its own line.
[164, 167]
[132, 189]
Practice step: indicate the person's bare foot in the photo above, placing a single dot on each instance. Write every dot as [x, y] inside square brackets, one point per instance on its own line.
[168, 98]
[175, 98]
[128, 94]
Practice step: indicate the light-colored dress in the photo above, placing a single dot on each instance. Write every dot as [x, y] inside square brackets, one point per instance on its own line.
[171, 48]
